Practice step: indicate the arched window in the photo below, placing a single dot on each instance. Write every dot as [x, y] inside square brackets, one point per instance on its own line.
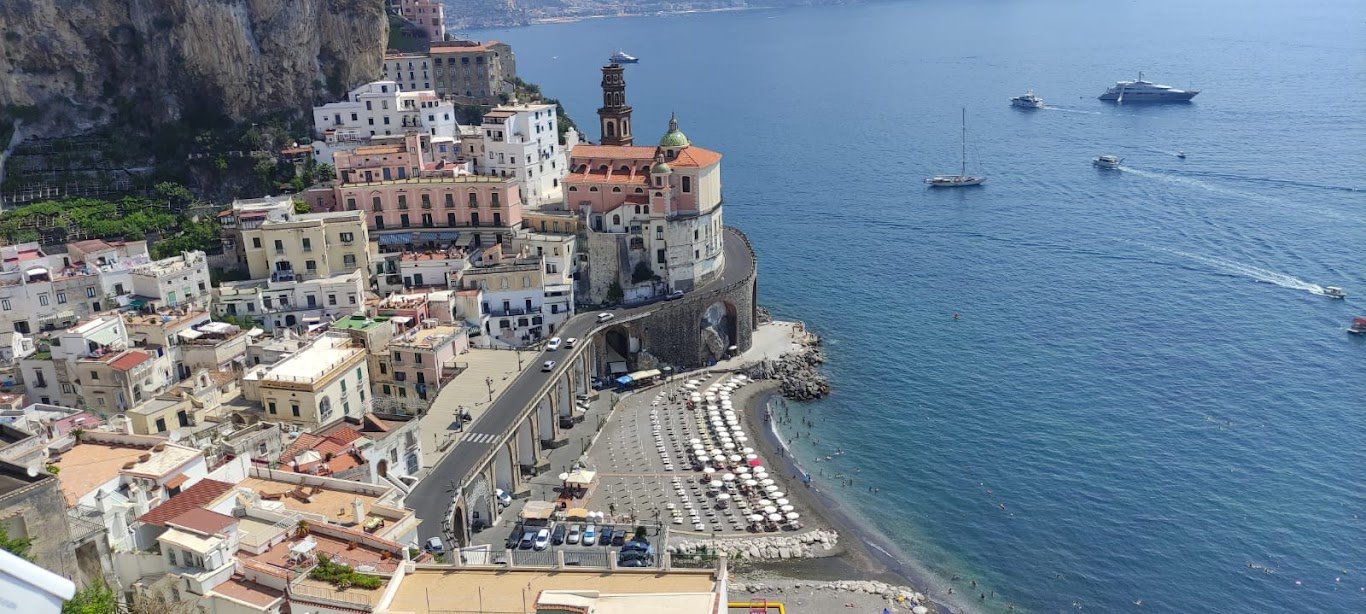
[646, 209]
[659, 194]
[602, 168]
[616, 189]
[616, 220]
[637, 209]
[593, 189]
[640, 190]
[573, 188]
[611, 128]
[624, 169]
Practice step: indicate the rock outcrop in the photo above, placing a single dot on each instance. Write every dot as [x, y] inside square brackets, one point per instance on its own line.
[902, 595]
[798, 372]
[71, 66]
[769, 547]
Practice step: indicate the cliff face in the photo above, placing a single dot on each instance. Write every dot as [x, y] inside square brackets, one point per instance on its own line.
[70, 65]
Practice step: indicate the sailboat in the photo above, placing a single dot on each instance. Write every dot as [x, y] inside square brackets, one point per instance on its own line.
[962, 179]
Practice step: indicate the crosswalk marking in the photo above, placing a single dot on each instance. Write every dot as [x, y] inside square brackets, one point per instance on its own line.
[479, 437]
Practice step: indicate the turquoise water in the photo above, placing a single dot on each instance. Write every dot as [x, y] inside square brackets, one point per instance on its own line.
[1142, 373]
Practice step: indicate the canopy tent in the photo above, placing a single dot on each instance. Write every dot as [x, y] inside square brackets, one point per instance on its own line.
[580, 477]
[397, 238]
[576, 513]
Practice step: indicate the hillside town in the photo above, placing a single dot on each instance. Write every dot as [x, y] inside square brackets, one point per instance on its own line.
[374, 394]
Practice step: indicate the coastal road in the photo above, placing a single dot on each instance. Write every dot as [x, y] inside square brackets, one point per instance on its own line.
[431, 498]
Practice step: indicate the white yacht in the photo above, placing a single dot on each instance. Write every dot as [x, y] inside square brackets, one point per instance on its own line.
[962, 179]
[1107, 161]
[1146, 91]
[1334, 292]
[621, 57]
[1027, 101]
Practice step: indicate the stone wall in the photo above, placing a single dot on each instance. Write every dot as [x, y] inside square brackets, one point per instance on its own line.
[673, 332]
[37, 510]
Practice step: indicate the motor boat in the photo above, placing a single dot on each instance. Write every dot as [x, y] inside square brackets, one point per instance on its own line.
[1181, 154]
[962, 179]
[1107, 161]
[1358, 326]
[1027, 101]
[621, 57]
[1146, 91]
[1334, 292]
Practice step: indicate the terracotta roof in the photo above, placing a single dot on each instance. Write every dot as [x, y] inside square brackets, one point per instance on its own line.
[591, 177]
[695, 157]
[204, 521]
[345, 435]
[127, 360]
[202, 493]
[177, 481]
[242, 589]
[91, 245]
[614, 152]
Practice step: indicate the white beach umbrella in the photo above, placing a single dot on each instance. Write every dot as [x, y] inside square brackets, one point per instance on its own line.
[776, 494]
[716, 452]
[742, 469]
[793, 515]
[781, 501]
[728, 477]
[695, 441]
[775, 517]
[920, 609]
[723, 496]
[766, 481]
[735, 458]
[771, 489]
[751, 483]
[761, 472]
[770, 510]
[756, 518]
[708, 470]
[728, 445]
[786, 508]
[702, 458]
[764, 503]
[714, 484]
[749, 451]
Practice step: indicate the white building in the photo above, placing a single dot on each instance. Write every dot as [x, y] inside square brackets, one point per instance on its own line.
[39, 291]
[522, 141]
[174, 281]
[275, 304]
[376, 109]
[316, 386]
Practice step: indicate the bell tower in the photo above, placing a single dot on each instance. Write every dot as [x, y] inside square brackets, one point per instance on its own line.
[615, 115]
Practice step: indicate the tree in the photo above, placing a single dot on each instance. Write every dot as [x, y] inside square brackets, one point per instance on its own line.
[17, 546]
[174, 193]
[614, 293]
[642, 272]
[302, 207]
[324, 172]
[96, 598]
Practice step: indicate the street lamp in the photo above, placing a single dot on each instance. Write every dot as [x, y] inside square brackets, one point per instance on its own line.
[488, 381]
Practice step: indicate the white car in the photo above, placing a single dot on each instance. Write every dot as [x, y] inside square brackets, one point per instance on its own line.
[542, 539]
[503, 498]
[553, 344]
[604, 316]
[548, 366]
[570, 342]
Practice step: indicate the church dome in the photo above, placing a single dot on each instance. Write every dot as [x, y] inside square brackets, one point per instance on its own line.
[661, 167]
[674, 138]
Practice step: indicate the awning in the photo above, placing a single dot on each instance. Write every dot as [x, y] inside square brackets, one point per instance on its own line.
[646, 374]
[190, 334]
[400, 319]
[437, 235]
[398, 238]
[576, 513]
[537, 510]
[624, 380]
[176, 481]
[221, 328]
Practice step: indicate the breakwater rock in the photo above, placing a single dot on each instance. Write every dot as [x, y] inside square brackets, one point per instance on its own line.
[903, 595]
[807, 545]
[797, 372]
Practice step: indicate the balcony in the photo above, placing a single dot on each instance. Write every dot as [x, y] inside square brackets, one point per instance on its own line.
[503, 313]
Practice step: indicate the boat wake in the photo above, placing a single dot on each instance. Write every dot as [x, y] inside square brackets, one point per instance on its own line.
[1271, 181]
[1049, 107]
[1246, 270]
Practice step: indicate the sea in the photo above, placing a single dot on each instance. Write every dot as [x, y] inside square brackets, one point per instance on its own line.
[1081, 389]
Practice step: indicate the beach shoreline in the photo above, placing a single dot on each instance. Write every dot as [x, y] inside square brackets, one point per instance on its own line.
[862, 554]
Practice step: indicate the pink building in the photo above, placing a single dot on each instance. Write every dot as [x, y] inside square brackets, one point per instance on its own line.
[428, 15]
[467, 201]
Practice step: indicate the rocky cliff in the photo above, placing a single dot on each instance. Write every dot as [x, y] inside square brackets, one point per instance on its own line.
[68, 66]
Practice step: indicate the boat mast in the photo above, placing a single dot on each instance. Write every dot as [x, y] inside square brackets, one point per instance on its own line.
[964, 170]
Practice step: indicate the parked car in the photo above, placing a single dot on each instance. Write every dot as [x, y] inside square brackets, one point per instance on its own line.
[636, 546]
[575, 532]
[606, 538]
[634, 559]
[504, 499]
[548, 366]
[553, 344]
[590, 535]
[620, 538]
[557, 536]
[570, 342]
[675, 295]
[604, 316]
[528, 539]
[514, 537]
[542, 539]
[434, 546]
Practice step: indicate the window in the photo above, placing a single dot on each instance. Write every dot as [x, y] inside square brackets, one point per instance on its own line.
[402, 201]
[331, 299]
[349, 261]
[348, 237]
[352, 298]
[279, 246]
[61, 298]
[295, 408]
[375, 204]
[659, 256]
[90, 292]
[526, 281]
[474, 199]
[4, 304]
[256, 242]
[272, 407]
[308, 244]
[161, 425]
[450, 200]
[398, 357]
[687, 183]
[311, 265]
[170, 556]
[42, 300]
[386, 389]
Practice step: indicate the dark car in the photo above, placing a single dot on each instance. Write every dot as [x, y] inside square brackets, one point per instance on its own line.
[528, 539]
[606, 537]
[557, 537]
[514, 537]
[634, 559]
[619, 538]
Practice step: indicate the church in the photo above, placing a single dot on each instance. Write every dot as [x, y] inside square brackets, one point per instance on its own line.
[648, 209]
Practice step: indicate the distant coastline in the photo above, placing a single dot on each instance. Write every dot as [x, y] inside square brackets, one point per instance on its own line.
[563, 19]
